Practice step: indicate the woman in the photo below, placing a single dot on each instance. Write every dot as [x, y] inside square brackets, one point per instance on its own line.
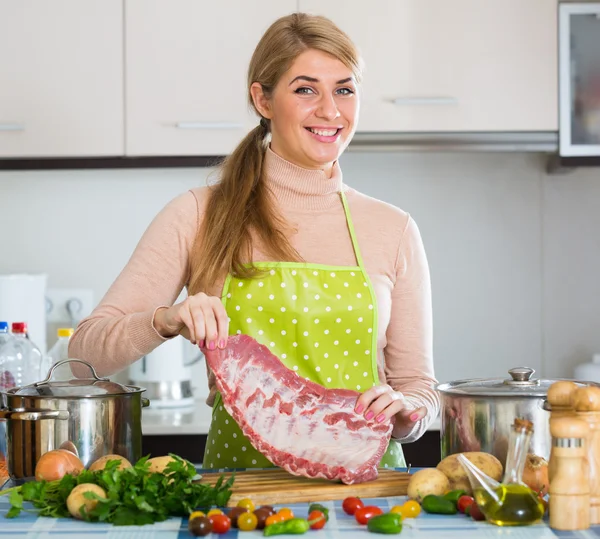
[334, 282]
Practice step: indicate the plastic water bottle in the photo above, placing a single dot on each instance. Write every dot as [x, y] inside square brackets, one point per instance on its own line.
[20, 359]
[5, 337]
[58, 352]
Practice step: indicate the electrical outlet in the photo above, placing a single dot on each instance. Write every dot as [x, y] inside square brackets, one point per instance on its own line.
[59, 300]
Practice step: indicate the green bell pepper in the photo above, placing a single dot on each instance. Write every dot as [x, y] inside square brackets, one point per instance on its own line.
[454, 495]
[295, 526]
[438, 505]
[388, 523]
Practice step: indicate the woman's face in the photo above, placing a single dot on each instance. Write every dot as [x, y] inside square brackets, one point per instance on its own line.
[313, 111]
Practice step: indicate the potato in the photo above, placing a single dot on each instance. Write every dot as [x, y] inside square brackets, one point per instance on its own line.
[425, 482]
[456, 474]
[77, 500]
[101, 463]
[158, 464]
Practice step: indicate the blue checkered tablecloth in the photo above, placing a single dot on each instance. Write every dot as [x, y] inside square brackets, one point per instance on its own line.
[340, 526]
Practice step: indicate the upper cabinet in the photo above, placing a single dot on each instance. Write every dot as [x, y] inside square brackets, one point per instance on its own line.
[61, 90]
[465, 65]
[186, 66]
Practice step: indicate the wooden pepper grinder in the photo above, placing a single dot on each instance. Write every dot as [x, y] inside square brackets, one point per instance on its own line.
[586, 403]
[559, 397]
[570, 487]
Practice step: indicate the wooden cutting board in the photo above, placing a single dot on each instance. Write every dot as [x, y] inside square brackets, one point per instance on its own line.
[267, 487]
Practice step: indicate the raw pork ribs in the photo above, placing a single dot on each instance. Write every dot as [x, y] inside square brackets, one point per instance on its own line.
[298, 425]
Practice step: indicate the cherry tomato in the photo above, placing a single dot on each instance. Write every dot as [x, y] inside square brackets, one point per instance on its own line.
[410, 509]
[475, 512]
[464, 502]
[286, 513]
[196, 514]
[318, 520]
[247, 503]
[247, 522]
[351, 505]
[220, 523]
[214, 512]
[199, 526]
[273, 519]
[367, 512]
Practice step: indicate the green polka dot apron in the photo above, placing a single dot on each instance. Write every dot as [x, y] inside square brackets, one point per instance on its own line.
[320, 321]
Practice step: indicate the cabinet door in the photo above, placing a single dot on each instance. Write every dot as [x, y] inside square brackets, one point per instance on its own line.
[186, 69]
[61, 78]
[465, 65]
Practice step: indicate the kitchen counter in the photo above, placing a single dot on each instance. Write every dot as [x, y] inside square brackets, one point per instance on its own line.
[340, 526]
[191, 420]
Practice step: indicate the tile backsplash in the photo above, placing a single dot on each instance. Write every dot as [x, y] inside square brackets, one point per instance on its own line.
[514, 253]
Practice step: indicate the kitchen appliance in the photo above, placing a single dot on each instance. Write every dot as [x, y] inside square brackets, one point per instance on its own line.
[23, 299]
[97, 416]
[166, 374]
[477, 414]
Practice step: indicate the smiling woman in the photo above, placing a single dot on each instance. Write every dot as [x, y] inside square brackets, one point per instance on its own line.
[334, 283]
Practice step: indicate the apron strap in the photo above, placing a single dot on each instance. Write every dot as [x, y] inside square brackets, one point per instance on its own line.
[355, 246]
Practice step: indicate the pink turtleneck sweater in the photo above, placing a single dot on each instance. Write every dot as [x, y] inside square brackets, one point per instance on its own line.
[120, 330]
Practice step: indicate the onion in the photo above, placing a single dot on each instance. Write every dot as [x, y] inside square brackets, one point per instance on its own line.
[54, 465]
[535, 474]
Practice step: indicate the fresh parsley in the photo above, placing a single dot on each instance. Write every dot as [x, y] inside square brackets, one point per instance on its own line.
[135, 496]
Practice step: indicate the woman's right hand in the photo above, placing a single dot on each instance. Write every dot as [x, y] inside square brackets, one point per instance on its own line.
[200, 318]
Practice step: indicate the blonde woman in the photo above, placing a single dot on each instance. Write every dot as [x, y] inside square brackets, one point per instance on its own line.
[334, 282]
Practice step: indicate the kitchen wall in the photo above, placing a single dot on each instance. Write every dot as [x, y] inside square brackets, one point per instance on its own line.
[514, 253]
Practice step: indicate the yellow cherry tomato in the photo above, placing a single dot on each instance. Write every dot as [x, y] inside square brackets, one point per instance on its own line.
[214, 512]
[397, 509]
[286, 513]
[196, 514]
[246, 503]
[247, 522]
[410, 509]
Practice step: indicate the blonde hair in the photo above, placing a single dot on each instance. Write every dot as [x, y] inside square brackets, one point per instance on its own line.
[240, 204]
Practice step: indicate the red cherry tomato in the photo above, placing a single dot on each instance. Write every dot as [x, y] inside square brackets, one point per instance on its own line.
[367, 512]
[475, 512]
[351, 505]
[220, 523]
[318, 520]
[463, 503]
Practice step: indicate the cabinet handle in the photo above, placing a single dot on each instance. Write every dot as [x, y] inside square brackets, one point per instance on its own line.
[425, 101]
[12, 127]
[208, 125]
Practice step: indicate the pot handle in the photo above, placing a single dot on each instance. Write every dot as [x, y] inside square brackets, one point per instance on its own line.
[58, 364]
[33, 415]
[145, 402]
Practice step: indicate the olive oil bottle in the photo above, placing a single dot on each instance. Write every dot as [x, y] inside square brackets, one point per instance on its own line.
[511, 502]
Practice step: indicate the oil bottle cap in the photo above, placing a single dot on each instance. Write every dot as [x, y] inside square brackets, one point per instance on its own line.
[3, 327]
[64, 332]
[19, 327]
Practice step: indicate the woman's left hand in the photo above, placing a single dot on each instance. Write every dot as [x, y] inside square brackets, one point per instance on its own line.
[382, 403]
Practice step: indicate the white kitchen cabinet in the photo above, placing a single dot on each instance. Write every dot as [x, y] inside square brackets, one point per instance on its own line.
[186, 66]
[465, 65]
[61, 78]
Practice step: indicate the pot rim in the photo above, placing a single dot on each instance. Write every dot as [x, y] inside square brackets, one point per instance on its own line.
[11, 394]
[482, 388]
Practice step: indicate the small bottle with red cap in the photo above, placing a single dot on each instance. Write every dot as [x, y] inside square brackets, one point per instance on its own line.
[20, 359]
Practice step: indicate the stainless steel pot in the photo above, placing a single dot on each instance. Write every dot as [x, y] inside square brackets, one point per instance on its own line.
[477, 414]
[94, 416]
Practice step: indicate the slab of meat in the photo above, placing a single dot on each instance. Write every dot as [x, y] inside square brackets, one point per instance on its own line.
[298, 425]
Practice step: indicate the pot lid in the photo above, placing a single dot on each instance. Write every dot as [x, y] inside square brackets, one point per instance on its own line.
[77, 387]
[520, 384]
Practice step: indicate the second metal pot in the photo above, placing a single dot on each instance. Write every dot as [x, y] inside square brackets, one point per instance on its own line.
[92, 416]
[477, 414]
